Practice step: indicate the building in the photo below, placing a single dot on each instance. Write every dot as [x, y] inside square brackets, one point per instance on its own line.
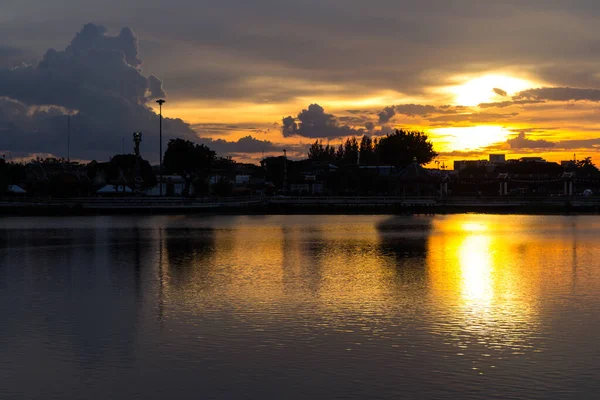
[567, 163]
[491, 163]
[498, 158]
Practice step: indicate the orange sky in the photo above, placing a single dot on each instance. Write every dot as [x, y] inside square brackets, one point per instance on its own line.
[476, 115]
[513, 77]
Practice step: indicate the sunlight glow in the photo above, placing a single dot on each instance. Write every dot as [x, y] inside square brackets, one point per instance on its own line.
[481, 90]
[470, 138]
[476, 267]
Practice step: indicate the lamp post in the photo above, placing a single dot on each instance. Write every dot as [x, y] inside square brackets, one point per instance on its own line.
[284, 172]
[137, 139]
[160, 177]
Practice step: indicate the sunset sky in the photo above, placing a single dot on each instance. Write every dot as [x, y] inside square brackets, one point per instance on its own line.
[520, 77]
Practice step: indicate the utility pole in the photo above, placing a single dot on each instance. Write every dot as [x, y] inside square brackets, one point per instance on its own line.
[68, 138]
[160, 176]
[284, 171]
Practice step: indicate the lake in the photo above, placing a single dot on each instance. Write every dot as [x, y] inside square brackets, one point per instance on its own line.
[295, 307]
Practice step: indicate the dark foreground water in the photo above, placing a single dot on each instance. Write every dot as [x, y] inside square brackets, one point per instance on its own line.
[284, 307]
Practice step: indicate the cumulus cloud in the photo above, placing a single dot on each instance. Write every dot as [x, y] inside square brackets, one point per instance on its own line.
[522, 142]
[500, 92]
[386, 114]
[559, 94]
[314, 122]
[98, 80]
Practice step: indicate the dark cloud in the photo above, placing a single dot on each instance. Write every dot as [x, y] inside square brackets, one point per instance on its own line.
[579, 144]
[421, 110]
[386, 114]
[12, 57]
[314, 122]
[98, 80]
[247, 144]
[222, 129]
[522, 142]
[248, 40]
[559, 94]
[409, 110]
[500, 92]
[369, 126]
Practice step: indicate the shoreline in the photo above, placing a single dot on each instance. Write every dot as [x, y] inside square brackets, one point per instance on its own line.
[300, 205]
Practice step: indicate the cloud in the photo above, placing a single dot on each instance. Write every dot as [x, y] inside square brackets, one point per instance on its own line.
[522, 142]
[466, 153]
[386, 114]
[509, 103]
[314, 122]
[409, 110]
[472, 118]
[247, 144]
[579, 144]
[98, 79]
[11, 57]
[559, 94]
[500, 92]
[237, 41]
[421, 110]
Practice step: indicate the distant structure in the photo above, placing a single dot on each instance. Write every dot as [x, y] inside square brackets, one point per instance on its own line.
[498, 158]
[493, 161]
[567, 163]
[532, 159]
[137, 139]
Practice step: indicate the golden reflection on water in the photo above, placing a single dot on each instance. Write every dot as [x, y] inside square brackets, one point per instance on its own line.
[335, 265]
[476, 264]
[476, 281]
[484, 286]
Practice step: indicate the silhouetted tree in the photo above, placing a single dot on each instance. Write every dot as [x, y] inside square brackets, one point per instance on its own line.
[586, 167]
[367, 155]
[350, 151]
[401, 147]
[189, 160]
[318, 152]
[4, 178]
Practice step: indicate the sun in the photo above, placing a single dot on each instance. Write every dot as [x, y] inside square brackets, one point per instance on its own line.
[488, 88]
[469, 138]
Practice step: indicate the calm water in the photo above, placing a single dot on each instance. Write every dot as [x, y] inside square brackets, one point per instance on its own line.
[447, 307]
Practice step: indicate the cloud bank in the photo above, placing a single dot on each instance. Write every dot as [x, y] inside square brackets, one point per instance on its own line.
[98, 80]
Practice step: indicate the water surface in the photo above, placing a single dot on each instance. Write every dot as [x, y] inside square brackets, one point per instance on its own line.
[446, 307]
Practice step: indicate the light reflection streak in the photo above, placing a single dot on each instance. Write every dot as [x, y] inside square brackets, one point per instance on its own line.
[485, 304]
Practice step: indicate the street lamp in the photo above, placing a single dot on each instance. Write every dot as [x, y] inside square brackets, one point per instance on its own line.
[160, 179]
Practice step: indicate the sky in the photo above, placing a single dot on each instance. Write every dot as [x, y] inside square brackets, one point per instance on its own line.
[251, 78]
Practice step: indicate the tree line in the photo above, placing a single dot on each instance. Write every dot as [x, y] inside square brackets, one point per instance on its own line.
[397, 149]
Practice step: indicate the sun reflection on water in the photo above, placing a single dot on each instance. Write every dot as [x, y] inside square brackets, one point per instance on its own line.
[476, 264]
[485, 302]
